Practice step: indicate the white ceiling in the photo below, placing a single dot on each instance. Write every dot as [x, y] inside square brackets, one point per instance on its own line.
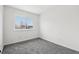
[38, 9]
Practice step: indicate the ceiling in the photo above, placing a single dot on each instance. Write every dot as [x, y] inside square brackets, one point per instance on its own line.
[37, 9]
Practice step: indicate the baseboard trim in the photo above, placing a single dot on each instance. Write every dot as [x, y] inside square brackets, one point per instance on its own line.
[19, 42]
[60, 45]
[22, 41]
[42, 39]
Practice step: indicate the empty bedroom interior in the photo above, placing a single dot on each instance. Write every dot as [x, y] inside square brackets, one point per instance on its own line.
[52, 29]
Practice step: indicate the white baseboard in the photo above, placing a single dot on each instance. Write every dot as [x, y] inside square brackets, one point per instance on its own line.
[61, 44]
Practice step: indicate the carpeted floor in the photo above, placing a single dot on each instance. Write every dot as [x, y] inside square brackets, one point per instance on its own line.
[37, 46]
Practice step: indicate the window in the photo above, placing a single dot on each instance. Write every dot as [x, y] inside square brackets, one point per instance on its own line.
[23, 23]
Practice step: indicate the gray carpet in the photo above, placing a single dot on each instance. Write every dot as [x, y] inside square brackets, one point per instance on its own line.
[37, 46]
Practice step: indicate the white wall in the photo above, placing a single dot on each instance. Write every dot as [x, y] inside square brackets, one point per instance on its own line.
[10, 34]
[38, 9]
[1, 27]
[61, 26]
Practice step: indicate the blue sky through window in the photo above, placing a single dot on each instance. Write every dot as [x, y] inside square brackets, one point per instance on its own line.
[24, 20]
